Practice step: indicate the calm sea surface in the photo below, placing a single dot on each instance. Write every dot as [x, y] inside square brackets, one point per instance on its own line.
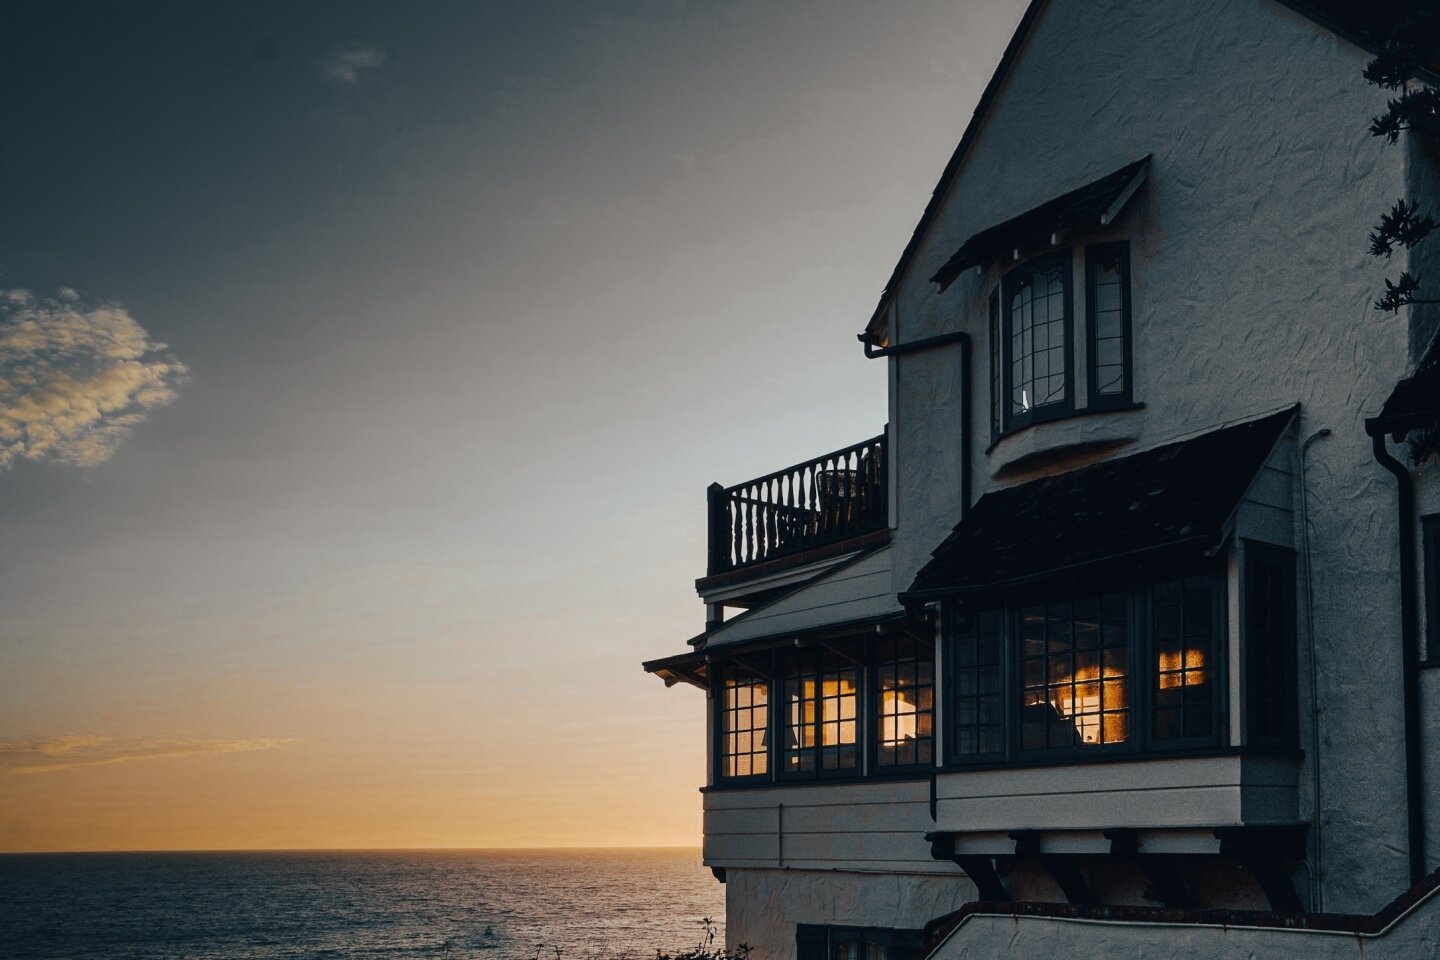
[495, 905]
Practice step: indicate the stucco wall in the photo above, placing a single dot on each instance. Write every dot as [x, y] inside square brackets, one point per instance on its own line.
[1415, 936]
[1252, 290]
[762, 907]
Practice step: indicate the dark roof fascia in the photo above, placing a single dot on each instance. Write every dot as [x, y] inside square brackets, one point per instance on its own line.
[786, 637]
[1342, 30]
[992, 90]
[1200, 544]
[952, 166]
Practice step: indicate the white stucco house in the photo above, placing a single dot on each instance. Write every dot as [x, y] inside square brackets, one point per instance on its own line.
[1114, 642]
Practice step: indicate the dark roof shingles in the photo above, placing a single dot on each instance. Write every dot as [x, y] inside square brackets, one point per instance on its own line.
[1172, 499]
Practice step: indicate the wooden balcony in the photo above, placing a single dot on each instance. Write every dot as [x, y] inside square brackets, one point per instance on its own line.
[790, 516]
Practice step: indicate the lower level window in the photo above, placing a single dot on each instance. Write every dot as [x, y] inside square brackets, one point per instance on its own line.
[819, 942]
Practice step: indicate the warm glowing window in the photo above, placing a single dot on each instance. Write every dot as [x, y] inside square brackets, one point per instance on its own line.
[1036, 311]
[745, 720]
[905, 702]
[1182, 634]
[1074, 668]
[821, 714]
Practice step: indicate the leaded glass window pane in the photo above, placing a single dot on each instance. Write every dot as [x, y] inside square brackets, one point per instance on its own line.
[1182, 636]
[977, 713]
[821, 714]
[745, 722]
[1074, 673]
[1037, 305]
[1107, 269]
[905, 702]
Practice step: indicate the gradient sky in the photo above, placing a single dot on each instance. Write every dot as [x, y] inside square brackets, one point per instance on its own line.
[362, 369]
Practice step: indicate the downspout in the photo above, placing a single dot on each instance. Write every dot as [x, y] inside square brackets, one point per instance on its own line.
[1410, 638]
[1317, 872]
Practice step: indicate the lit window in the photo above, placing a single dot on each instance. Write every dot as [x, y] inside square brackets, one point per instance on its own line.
[1036, 308]
[745, 720]
[906, 699]
[1182, 631]
[1074, 673]
[821, 704]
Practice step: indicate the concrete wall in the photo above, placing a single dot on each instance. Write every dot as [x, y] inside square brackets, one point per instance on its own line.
[1252, 290]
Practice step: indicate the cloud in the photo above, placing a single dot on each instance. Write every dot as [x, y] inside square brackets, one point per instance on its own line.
[346, 66]
[88, 750]
[75, 379]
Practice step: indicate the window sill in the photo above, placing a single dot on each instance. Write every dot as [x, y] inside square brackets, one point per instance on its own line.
[1060, 417]
[908, 776]
[1120, 756]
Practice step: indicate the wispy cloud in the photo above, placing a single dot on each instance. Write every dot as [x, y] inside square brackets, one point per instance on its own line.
[349, 64]
[75, 380]
[88, 750]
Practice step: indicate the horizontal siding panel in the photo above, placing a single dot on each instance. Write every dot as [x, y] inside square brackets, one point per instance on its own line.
[1158, 807]
[856, 847]
[862, 589]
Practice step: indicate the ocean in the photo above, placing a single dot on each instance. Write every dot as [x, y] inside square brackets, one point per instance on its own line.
[460, 904]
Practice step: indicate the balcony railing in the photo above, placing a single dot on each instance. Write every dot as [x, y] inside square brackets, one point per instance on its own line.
[821, 501]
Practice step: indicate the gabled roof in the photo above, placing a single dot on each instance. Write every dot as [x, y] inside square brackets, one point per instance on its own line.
[1095, 204]
[1363, 24]
[1164, 505]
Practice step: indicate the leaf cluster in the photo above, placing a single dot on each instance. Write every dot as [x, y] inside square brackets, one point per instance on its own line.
[1404, 226]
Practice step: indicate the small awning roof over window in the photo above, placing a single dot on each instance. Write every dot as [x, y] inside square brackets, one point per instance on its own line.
[1093, 205]
[1118, 517]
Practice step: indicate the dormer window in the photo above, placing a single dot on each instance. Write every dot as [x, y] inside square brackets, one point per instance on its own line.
[1035, 307]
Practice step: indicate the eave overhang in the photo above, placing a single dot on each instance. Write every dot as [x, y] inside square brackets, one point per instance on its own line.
[1414, 404]
[1096, 204]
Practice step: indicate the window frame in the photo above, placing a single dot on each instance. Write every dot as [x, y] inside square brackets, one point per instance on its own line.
[1255, 554]
[1012, 422]
[1143, 673]
[781, 716]
[1094, 400]
[818, 941]
[997, 369]
[874, 717]
[720, 755]
[1430, 548]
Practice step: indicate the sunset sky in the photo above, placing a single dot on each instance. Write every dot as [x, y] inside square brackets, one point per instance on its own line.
[362, 369]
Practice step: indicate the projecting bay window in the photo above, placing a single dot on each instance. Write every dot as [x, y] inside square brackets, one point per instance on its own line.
[821, 718]
[1094, 674]
[744, 717]
[905, 704]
